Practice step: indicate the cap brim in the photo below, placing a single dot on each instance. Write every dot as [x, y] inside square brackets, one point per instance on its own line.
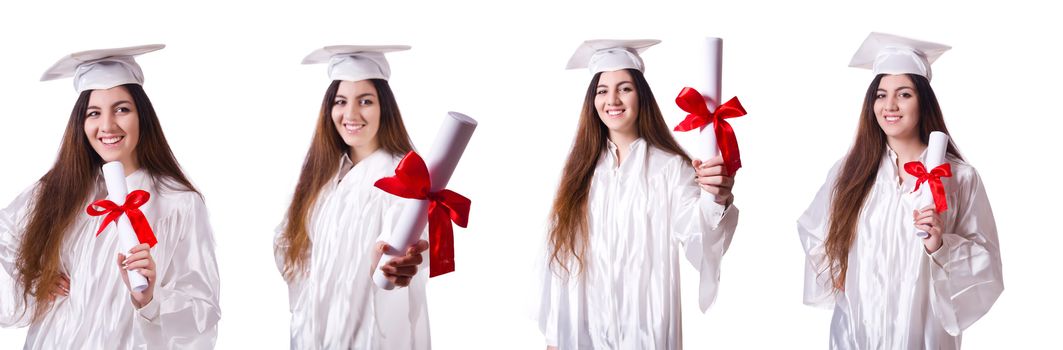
[66, 66]
[875, 42]
[587, 49]
[323, 55]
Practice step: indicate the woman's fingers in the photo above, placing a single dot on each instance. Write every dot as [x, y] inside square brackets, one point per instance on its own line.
[399, 271]
[718, 181]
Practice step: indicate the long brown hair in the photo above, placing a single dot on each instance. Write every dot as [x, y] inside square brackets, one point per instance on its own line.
[568, 218]
[63, 192]
[860, 168]
[322, 162]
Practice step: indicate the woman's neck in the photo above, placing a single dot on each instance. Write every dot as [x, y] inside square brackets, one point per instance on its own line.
[623, 143]
[357, 154]
[908, 149]
[130, 166]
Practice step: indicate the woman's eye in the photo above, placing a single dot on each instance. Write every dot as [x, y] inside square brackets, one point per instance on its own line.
[122, 110]
[600, 92]
[365, 102]
[93, 114]
[627, 89]
[906, 95]
[339, 102]
[880, 96]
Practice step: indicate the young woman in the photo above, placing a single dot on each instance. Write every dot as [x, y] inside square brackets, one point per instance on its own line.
[629, 204]
[889, 288]
[330, 241]
[70, 285]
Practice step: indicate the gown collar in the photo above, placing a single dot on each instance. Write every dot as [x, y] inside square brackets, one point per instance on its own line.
[635, 152]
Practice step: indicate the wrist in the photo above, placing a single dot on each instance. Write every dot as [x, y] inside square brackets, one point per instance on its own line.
[139, 303]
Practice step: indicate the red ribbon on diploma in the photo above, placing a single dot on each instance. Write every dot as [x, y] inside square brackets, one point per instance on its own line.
[412, 181]
[918, 170]
[692, 102]
[131, 209]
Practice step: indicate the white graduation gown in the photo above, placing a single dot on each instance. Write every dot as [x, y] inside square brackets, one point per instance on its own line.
[897, 296]
[335, 304]
[643, 215]
[98, 313]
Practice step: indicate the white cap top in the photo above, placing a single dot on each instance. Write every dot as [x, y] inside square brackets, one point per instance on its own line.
[101, 69]
[891, 54]
[355, 62]
[604, 55]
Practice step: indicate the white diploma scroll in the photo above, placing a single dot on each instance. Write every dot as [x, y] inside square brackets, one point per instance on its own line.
[441, 160]
[935, 156]
[114, 176]
[708, 73]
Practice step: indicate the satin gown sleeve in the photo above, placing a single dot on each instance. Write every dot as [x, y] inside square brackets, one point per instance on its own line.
[966, 273]
[13, 310]
[812, 230]
[184, 312]
[703, 227]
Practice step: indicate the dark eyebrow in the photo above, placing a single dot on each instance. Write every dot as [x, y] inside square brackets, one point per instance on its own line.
[112, 105]
[618, 84]
[364, 95]
[899, 89]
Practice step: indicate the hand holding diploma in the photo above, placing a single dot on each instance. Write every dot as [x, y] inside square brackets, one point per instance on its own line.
[707, 115]
[429, 202]
[711, 176]
[123, 209]
[933, 195]
[400, 271]
[927, 220]
[139, 262]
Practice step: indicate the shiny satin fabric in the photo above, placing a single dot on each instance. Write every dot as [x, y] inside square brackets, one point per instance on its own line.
[98, 313]
[335, 304]
[644, 215]
[897, 296]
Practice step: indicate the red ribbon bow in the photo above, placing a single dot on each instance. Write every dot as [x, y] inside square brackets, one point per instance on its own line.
[412, 181]
[918, 170]
[692, 102]
[131, 209]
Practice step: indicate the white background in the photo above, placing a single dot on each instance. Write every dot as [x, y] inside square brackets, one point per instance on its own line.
[239, 111]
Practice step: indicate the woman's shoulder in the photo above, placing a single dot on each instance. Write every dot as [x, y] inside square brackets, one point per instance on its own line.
[173, 197]
[658, 158]
[668, 166]
[23, 201]
[962, 172]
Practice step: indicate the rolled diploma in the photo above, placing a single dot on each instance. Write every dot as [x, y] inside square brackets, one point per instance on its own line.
[935, 156]
[449, 145]
[709, 72]
[114, 176]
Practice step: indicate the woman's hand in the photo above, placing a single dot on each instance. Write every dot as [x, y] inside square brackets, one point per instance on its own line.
[139, 260]
[929, 221]
[710, 175]
[62, 287]
[400, 270]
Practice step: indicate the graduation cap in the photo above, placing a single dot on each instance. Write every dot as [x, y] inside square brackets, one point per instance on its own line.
[101, 69]
[604, 55]
[355, 62]
[891, 54]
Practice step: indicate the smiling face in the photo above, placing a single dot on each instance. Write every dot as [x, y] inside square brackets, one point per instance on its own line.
[112, 125]
[356, 115]
[617, 102]
[897, 107]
